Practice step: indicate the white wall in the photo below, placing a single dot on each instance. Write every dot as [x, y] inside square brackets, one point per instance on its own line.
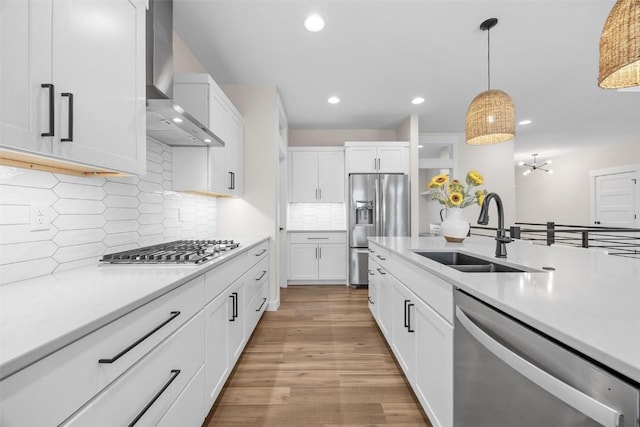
[495, 163]
[409, 131]
[184, 61]
[564, 196]
[337, 137]
[256, 213]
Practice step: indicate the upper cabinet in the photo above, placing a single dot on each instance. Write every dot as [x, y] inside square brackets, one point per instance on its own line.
[317, 175]
[377, 157]
[220, 169]
[72, 77]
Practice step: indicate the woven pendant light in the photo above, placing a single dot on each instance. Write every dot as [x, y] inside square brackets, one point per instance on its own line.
[620, 46]
[491, 116]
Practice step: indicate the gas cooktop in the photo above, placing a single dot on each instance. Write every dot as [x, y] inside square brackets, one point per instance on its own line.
[178, 252]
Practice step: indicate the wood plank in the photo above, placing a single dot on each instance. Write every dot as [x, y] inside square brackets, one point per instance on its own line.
[320, 360]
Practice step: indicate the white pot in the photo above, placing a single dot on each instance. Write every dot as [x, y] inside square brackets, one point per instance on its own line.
[454, 227]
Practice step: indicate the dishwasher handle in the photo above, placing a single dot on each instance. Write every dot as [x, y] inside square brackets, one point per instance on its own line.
[573, 397]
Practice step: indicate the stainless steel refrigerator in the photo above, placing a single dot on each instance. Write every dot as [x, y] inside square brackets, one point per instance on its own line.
[378, 206]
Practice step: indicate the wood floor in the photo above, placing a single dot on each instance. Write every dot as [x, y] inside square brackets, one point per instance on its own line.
[320, 360]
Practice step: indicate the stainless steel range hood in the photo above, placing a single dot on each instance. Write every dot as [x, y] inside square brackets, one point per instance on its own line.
[166, 121]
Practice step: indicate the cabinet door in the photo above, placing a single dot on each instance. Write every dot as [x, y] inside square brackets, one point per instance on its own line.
[332, 261]
[403, 336]
[25, 65]
[237, 317]
[331, 176]
[361, 159]
[373, 292]
[304, 176]
[385, 302]
[220, 115]
[99, 58]
[434, 373]
[303, 261]
[217, 366]
[393, 160]
[236, 155]
[188, 409]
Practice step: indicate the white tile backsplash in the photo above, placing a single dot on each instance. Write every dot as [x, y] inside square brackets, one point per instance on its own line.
[93, 216]
[316, 216]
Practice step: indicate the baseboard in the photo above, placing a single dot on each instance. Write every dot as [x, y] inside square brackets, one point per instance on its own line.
[273, 305]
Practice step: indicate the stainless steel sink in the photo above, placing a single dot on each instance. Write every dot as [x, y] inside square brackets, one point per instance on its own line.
[470, 264]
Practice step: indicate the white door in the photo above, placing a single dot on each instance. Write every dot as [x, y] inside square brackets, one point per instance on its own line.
[303, 261]
[385, 303]
[393, 159]
[25, 65]
[331, 176]
[332, 261]
[304, 176]
[98, 60]
[236, 321]
[403, 337]
[216, 353]
[361, 159]
[615, 200]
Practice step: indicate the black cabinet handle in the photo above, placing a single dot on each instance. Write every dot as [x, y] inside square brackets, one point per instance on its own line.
[174, 375]
[370, 301]
[52, 94]
[69, 137]
[371, 273]
[261, 252]
[409, 317]
[233, 297]
[380, 257]
[596, 222]
[230, 181]
[172, 316]
[235, 305]
[381, 271]
[263, 301]
[406, 318]
[262, 275]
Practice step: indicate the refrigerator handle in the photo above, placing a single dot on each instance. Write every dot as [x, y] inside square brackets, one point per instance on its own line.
[376, 208]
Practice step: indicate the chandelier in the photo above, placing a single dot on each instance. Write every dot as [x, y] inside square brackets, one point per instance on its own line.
[491, 116]
[534, 166]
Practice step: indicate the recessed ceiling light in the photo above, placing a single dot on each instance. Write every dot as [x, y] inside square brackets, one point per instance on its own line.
[417, 100]
[524, 122]
[207, 140]
[314, 23]
[420, 146]
[333, 100]
[177, 119]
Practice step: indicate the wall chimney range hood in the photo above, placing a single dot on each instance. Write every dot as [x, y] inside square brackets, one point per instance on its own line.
[166, 121]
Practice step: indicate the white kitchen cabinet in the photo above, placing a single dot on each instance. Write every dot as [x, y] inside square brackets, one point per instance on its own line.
[73, 84]
[317, 176]
[217, 170]
[403, 334]
[383, 302]
[377, 157]
[188, 409]
[217, 367]
[317, 257]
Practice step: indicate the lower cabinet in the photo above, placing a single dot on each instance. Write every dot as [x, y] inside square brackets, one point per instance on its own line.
[317, 256]
[188, 409]
[420, 336]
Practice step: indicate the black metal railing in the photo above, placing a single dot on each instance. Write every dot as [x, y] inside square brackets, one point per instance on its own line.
[616, 241]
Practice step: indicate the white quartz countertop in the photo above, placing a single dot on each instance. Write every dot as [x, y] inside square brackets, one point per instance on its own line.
[591, 302]
[39, 316]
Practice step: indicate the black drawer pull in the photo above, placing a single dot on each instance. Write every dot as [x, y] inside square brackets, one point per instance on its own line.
[381, 257]
[409, 317]
[174, 375]
[233, 297]
[370, 301]
[262, 275]
[406, 317]
[52, 94]
[230, 181]
[263, 301]
[173, 315]
[69, 137]
[261, 252]
[381, 271]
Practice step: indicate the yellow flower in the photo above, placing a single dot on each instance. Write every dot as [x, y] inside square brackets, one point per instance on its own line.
[455, 186]
[480, 196]
[438, 181]
[474, 177]
[455, 199]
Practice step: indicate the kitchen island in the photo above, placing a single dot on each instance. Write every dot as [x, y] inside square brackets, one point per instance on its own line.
[582, 298]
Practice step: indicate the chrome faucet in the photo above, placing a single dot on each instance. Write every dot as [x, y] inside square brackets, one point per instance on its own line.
[483, 219]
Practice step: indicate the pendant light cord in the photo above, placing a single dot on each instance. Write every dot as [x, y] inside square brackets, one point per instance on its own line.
[488, 60]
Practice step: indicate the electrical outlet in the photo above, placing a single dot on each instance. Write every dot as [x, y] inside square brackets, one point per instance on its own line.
[39, 213]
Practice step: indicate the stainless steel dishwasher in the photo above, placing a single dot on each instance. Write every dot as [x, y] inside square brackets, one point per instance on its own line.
[507, 374]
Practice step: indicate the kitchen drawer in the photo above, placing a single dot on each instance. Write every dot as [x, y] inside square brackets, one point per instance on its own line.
[380, 254]
[437, 293]
[257, 253]
[188, 409]
[73, 374]
[256, 277]
[256, 307]
[220, 277]
[154, 383]
[321, 237]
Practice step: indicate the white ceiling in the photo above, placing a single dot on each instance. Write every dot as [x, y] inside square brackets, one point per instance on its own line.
[377, 55]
